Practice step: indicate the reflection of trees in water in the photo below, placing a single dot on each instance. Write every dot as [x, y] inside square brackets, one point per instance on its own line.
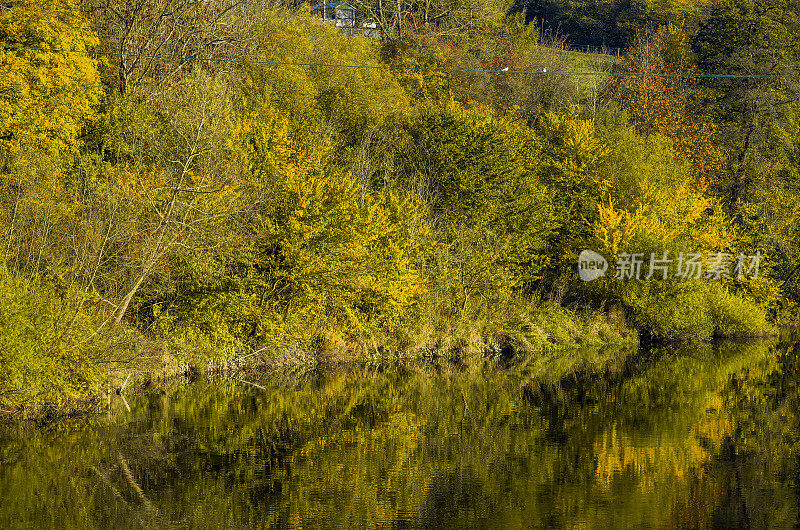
[753, 476]
[709, 431]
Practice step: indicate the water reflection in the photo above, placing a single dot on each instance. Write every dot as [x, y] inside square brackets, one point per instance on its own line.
[684, 437]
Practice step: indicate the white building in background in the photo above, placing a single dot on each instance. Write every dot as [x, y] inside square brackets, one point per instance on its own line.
[343, 15]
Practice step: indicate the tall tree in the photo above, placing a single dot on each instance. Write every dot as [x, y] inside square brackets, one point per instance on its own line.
[759, 39]
[48, 90]
[757, 117]
[658, 101]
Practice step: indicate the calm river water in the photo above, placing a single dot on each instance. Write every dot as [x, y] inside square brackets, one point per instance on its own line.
[682, 437]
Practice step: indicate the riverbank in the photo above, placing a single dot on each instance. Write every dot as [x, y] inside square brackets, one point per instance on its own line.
[132, 360]
[430, 203]
[49, 373]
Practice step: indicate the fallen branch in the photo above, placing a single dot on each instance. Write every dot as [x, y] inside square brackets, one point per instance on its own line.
[255, 385]
[122, 388]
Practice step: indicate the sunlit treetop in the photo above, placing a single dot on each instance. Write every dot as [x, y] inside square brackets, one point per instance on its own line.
[48, 81]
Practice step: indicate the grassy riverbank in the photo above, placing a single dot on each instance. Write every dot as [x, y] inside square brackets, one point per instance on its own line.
[65, 363]
[56, 363]
[58, 372]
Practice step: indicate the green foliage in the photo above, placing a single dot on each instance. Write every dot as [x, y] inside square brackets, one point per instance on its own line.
[308, 247]
[492, 216]
[315, 98]
[656, 204]
[655, 201]
[571, 169]
[49, 346]
[757, 115]
[689, 310]
[734, 316]
[674, 311]
[281, 205]
[547, 326]
[440, 68]
[600, 22]
[757, 120]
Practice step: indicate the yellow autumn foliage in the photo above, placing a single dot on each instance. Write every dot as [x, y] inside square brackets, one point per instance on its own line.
[662, 215]
[657, 202]
[48, 80]
[343, 249]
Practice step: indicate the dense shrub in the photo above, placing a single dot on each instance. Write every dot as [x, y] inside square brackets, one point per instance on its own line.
[50, 351]
[690, 310]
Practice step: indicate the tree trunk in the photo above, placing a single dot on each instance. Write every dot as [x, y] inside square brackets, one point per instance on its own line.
[738, 187]
[128, 297]
[399, 17]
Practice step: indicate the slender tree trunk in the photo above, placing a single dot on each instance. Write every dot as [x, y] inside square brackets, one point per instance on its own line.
[123, 79]
[128, 297]
[738, 187]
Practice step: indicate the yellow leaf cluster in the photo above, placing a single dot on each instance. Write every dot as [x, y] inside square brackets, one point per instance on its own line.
[48, 81]
[661, 216]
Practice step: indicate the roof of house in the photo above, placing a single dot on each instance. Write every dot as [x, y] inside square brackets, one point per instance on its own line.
[333, 5]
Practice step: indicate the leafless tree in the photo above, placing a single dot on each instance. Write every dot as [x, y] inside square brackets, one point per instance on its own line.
[151, 41]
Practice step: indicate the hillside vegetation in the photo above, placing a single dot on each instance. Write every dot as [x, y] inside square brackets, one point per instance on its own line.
[194, 183]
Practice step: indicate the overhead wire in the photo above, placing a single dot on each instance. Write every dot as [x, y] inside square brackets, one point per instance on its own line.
[544, 72]
[466, 70]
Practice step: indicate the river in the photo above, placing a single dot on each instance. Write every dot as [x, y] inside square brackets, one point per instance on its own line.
[671, 437]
